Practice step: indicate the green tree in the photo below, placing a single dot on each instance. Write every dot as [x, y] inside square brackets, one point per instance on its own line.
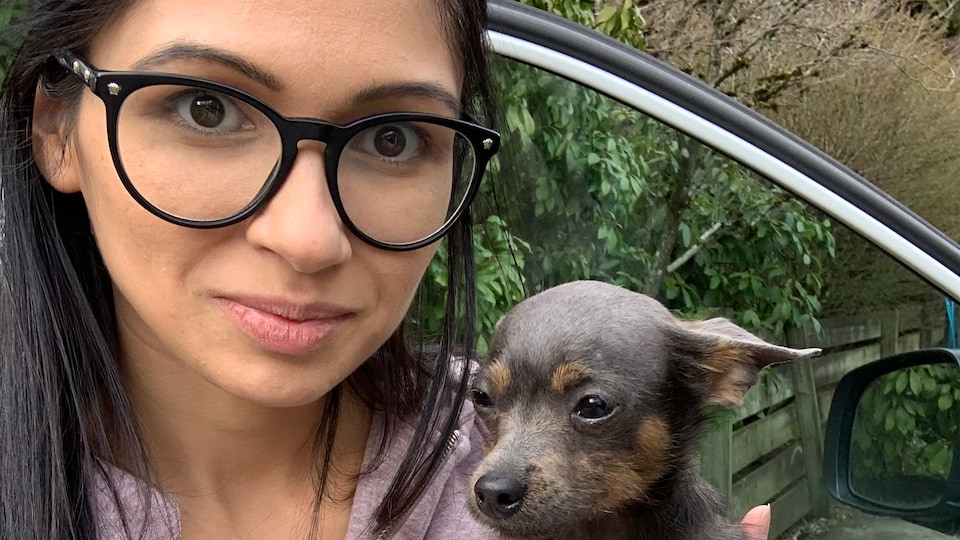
[601, 191]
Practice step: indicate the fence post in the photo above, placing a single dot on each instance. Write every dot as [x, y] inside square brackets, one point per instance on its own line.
[928, 317]
[716, 459]
[811, 436]
[889, 333]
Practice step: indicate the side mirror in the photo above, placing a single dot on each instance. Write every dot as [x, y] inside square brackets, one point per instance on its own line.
[891, 436]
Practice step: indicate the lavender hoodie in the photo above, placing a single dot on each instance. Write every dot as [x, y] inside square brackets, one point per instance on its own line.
[440, 514]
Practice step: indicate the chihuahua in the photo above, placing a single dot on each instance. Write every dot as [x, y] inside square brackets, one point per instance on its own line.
[592, 397]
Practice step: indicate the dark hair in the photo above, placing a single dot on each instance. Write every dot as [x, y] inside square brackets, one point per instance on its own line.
[63, 408]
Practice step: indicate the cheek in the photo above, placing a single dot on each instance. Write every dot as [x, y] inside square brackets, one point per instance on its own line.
[630, 473]
[148, 259]
[134, 243]
[111, 208]
[397, 273]
[89, 153]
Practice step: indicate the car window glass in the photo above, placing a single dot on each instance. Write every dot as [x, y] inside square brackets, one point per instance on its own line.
[587, 188]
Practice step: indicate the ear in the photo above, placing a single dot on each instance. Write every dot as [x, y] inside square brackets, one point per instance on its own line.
[720, 360]
[53, 156]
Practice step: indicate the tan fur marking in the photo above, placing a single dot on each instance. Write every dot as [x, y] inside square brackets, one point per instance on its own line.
[567, 375]
[730, 373]
[499, 376]
[631, 478]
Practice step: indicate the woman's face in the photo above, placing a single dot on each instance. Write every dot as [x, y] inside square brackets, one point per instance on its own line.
[283, 306]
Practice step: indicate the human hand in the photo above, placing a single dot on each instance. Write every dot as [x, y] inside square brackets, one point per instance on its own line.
[757, 523]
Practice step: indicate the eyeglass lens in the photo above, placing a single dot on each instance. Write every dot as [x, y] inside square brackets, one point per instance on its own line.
[201, 155]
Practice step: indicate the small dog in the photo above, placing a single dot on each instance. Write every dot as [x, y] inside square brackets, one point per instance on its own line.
[592, 396]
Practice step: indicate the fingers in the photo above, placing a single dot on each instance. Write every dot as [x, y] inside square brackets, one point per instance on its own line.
[757, 523]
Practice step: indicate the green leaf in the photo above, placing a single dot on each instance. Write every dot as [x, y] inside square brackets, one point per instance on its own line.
[945, 402]
[606, 14]
[529, 125]
[611, 242]
[905, 422]
[685, 234]
[910, 406]
[940, 463]
[672, 292]
[514, 122]
[901, 383]
[915, 384]
[542, 192]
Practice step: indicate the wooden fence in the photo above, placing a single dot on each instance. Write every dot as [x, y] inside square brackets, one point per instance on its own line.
[763, 451]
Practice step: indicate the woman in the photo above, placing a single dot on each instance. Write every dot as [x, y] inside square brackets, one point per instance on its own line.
[202, 298]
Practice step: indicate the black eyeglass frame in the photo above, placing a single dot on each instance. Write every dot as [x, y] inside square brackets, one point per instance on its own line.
[113, 87]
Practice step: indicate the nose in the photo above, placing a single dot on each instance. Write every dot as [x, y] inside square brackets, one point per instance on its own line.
[499, 496]
[300, 222]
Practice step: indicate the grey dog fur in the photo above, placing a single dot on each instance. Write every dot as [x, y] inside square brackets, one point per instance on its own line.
[649, 365]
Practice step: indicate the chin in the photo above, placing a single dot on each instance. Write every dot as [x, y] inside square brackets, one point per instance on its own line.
[281, 388]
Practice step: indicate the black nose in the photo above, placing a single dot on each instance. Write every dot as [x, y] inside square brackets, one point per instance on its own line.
[499, 496]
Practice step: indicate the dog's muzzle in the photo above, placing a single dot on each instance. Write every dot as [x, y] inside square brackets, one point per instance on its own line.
[499, 496]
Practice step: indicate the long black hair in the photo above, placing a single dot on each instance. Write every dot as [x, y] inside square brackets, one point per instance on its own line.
[63, 407]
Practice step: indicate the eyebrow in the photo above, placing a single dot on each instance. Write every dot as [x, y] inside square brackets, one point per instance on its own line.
[195, 51]
[431, 91]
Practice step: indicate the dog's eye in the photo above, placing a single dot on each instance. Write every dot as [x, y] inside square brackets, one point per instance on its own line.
[480, 398]
[592, 408]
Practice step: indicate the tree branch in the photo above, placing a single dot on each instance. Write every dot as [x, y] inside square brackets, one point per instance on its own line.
[890, 56]
[694, 249]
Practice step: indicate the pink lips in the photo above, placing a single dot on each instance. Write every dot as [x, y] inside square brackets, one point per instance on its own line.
[284, 327]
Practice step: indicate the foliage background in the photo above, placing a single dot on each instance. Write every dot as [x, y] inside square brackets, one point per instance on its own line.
[9, 11]
[905, 428]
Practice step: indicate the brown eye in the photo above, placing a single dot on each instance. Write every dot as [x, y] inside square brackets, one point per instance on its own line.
[400, 143]
[592, 408]
[390, 142]
[207, 111]
[480, 399]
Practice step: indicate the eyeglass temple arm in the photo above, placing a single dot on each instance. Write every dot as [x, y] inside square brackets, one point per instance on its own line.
[77, 67]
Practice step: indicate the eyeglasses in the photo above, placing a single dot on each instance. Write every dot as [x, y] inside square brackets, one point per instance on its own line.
[201, 154]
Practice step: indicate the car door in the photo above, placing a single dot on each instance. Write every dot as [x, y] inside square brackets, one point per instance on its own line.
[618, 167]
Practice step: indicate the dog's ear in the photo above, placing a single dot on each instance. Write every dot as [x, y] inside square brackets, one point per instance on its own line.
[720, 360]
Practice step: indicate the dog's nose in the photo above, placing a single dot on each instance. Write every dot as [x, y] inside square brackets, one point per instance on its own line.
[499, 496]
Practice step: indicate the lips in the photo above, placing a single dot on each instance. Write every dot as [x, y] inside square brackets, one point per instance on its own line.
[284, 327]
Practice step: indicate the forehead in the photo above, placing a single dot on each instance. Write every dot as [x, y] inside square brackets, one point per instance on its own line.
[609, 332]
[327, 47]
